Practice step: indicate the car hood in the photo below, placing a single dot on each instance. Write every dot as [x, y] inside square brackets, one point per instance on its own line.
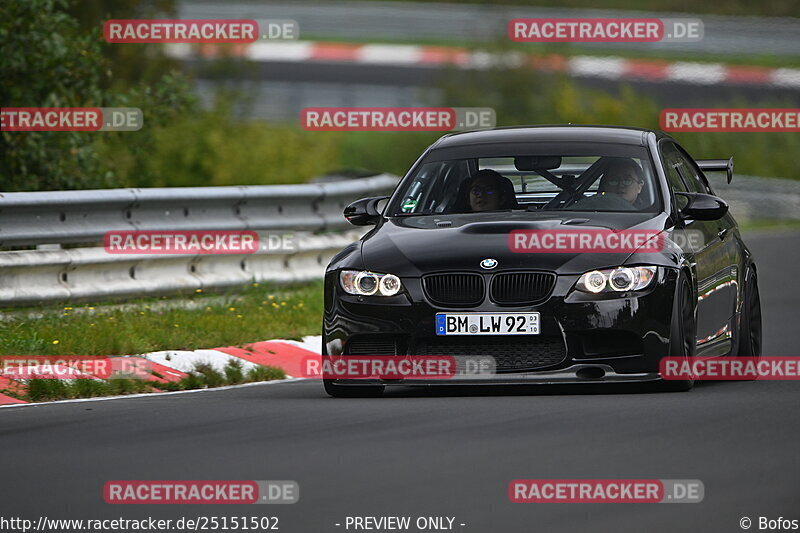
[415, 245]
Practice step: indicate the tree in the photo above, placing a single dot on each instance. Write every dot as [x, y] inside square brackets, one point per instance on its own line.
[47, 61]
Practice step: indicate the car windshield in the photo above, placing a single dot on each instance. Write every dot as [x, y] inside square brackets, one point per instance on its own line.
[610, 178]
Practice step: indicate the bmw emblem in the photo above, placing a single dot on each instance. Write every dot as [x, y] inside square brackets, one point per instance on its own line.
[489, 264]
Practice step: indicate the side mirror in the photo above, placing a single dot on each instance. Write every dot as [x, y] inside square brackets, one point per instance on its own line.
[364, 212]
[703, 206]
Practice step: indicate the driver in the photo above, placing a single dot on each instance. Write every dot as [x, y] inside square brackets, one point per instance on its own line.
[619, 187]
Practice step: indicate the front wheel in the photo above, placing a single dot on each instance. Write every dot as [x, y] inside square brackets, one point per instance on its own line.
[750, 321]
[682, 336]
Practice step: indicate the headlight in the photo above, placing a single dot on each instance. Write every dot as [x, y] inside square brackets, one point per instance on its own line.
[620, 279]
[366, 283]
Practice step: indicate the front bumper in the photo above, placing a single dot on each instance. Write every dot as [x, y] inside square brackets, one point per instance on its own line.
[584, 338]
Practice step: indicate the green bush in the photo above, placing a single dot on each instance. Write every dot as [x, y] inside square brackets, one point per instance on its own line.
[44, 390]
[47, 61]
[205, 376]
[89, 388]
[210, 148]
[208, 375]
[233, 372]
[265, 373]
[558, 100]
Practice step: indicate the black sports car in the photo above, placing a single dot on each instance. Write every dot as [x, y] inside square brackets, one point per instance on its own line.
[459, 264]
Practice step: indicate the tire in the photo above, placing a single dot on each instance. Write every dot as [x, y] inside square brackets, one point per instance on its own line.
[352, 391]
[683, 333]
[750, 328]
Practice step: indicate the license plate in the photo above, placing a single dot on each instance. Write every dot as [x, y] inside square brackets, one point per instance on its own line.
[487, 323]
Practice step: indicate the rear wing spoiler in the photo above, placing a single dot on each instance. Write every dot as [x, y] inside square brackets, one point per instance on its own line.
[718, 165]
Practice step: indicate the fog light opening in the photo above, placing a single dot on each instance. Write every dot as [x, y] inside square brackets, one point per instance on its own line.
[590, 372]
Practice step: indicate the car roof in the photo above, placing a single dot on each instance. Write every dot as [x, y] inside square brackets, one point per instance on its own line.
[554, 133]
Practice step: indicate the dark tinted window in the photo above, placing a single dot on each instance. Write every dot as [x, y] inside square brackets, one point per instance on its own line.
[679, 165]
[672, 163]
[694, 175]
[573, 177]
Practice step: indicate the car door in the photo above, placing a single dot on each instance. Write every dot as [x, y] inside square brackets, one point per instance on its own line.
[724, 288]
[712, 255]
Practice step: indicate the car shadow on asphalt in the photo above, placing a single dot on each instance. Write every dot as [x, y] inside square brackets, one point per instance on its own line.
[538, 390]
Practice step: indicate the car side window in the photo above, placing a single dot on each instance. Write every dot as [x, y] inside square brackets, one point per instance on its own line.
[434, 181]
[678, 160]
[672, 164]
[669, 155]
[694, 176]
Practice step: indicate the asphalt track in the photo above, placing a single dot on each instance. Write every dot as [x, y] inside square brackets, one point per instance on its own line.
[445, 454]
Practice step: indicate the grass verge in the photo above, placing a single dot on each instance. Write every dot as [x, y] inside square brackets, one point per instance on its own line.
[255, 314]
[768, 225]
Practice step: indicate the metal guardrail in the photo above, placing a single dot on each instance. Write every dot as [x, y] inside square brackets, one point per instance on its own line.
[754, 198]
[69, 217]
[29, 277]
[49, 274]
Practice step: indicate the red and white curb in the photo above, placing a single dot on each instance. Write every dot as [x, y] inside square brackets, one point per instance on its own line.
[174, 365]
[437, 56]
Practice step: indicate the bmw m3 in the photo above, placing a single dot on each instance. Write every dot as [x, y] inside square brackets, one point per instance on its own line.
[562, 253]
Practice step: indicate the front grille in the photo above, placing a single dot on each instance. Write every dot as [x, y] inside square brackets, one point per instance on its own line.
[510, 354]
[521, 288]
[454, 289]
[371, 345]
